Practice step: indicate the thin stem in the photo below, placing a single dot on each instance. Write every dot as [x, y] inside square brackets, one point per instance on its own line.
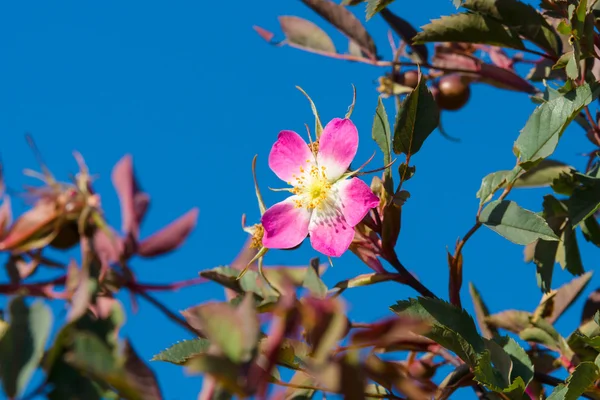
[359, 325]
[410, 280]
[539, 53]
[308, 387]
[404, 173]
[168, 313]
[595, 127]
[379, 63]
[36, 287]
[168, 286]
[474, 228]
[382, 63]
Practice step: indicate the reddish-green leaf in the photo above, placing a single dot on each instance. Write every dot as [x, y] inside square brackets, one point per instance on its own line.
[406, 31]
[346, 22]
[306, 34]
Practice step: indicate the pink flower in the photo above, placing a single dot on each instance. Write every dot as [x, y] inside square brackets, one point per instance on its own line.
[325, 203]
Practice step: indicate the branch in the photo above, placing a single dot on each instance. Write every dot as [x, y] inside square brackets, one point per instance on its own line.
[461, 244]
[168, 313]
[409, 278]
[308, 387]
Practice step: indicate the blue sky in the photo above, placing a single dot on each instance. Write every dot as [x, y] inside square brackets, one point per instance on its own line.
[193, 94]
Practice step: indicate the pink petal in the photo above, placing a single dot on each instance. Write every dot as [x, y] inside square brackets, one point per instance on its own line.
[355, 199]
[337, 147]
[289, 153]
[330, 234]
[285, 225]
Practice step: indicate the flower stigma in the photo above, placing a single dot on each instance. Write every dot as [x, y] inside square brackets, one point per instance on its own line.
[312, 187]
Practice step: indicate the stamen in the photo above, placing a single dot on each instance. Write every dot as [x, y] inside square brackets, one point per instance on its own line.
[259, 232]
[312, 187]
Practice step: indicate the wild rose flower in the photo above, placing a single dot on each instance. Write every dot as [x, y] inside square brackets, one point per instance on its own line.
[325, 204]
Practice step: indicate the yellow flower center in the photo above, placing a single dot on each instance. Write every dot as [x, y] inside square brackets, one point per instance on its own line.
[312, 187]
[257, 237]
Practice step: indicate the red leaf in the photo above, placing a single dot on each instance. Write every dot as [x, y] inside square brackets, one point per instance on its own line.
[107, 251]
[134, 203]
[141, 202]
[393, 331]
[500, 58]
[5, 216]
[505, 79]
[140, 375]
[81, 297]
[38, 222]
[170, 237]
[265, 34]
[489, 73]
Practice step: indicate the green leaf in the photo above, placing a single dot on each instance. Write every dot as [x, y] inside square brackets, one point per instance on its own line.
[481, 312]
[493, 368]
[501, 371]
[382, 134]
[234, 330]
[452, 327]
[418, 117]
[542, 174]
[539, 137]
[567, 254]
[582, 378]
[584, 202]
[223, 370]
[406, 172]
[544, 258]
[375, 6]
[94, 358]
[305, 34]
[591, 230]
[469, 28]
[180, 352]
[516, 224]
[291, 352]
[66, 382]
[313, 282]
[522, 366]
[521, 17]
[490, 184]
[22, 346]
[569, 62]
